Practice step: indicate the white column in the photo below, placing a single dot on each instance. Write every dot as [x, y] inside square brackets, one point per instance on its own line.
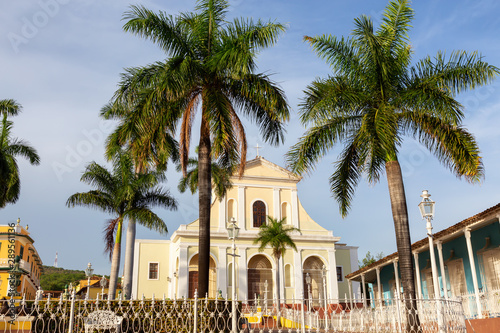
[396, 274]
[277, 203]
[297, 274]
[295, 208]
[473, 271]
[379, 291]
[183, 274]
[417, 271]
[241, 208]
[242, 277]
[222, 282]
[334, 287]
[222, 214]
[135, 271]
[364, 289]
[439, 246]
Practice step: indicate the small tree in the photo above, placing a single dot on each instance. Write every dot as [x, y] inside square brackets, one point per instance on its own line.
[126, 195]
[370, 259]
[277, 235]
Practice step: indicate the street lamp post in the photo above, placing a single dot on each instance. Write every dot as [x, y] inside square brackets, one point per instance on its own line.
[308, 281]
[266, 284]
[88, 273]
[103, 284]
[426, 207]
[232, 232]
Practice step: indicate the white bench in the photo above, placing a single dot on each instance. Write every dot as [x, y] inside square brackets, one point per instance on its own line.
[102, 320]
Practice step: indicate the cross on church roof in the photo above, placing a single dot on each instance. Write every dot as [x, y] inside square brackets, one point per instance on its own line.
[257, 147]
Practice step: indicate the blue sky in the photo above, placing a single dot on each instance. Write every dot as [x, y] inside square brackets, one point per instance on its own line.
[61, 59]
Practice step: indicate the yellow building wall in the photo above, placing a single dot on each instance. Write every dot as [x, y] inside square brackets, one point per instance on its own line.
[153, 252]
[344, 260]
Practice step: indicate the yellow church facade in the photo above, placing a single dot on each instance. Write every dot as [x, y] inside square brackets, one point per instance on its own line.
[170, 267]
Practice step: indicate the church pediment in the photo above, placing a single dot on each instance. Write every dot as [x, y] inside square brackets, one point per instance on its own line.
[260, 168]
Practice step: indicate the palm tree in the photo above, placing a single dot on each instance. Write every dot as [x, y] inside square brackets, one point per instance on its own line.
[149, 151]
[10, 148]
[125, 195]
[221, 178]
[9, 107]
[210, 66]
[277, 235]
[374, 98]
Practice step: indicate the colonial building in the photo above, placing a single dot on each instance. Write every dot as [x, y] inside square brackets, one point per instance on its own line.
[18, 238]
[468, 265]
[170, 267]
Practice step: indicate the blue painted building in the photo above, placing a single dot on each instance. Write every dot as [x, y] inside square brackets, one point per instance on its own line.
[467, 257]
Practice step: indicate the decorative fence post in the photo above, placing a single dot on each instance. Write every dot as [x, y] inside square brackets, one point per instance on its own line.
[195, 320]
[72, 312]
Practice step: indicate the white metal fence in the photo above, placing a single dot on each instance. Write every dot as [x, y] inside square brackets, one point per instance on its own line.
[489, 302]
[215, 315]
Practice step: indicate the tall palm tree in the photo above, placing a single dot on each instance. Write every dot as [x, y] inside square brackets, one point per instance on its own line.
[221, 178]
[210, 66]
[374, 98]
[125, 195]
[277, 235]
[10, 148]
[150, 147]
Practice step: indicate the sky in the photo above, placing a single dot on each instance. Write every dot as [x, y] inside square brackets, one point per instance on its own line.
[62, 59]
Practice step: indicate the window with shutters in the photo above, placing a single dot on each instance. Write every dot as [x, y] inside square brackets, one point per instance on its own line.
[491, 267]
[259, 213]
[153, 271]
[456, 277]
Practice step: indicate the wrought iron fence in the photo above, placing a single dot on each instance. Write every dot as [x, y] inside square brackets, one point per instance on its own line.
[489, 303]
[215, 315]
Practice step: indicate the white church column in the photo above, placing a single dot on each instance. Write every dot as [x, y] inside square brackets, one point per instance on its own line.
[295, 208]
[473, 271]
[333, 292]
[183, 274]
[439, 245]
[276, 203]
[222, 271]
[297, 274]
[222, 214]
[417, 273]
[241, 208]
[242, 278]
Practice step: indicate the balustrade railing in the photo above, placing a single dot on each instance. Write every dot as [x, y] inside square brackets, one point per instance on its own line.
[215, 315]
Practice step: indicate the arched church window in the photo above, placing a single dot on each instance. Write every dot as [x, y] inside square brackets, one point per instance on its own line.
[259, 213]
[231, 209]
[285, 212]
[288, 275]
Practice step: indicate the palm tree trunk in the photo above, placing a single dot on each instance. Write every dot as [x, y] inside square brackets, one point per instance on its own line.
[129, 260]
[115, 262]
[205, 194]
[403, 241]
[128, 268]
[278, 289]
